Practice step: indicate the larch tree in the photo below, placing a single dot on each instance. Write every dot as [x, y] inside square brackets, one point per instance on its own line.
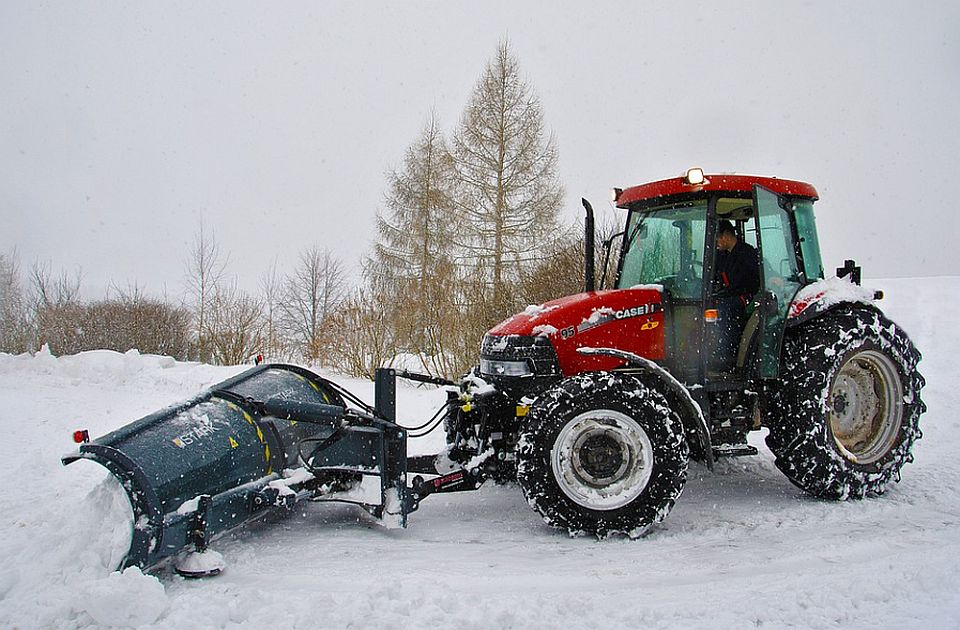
[508, 191]
[413, 256]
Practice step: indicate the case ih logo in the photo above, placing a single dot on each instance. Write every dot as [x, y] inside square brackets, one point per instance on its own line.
[606, 315]
[637, 311]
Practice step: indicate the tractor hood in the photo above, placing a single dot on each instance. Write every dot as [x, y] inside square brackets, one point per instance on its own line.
[626, 319]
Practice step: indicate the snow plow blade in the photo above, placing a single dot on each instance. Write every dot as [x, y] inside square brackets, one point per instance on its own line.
[260, 441]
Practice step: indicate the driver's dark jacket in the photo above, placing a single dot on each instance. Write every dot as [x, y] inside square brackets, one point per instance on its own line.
[737, 273]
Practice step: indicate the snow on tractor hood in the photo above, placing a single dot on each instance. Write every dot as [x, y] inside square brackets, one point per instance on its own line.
[628, 319]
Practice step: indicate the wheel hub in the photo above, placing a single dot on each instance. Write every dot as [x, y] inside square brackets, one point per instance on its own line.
[866, 406]
[840, 404]
[602, 459]
[599, 456]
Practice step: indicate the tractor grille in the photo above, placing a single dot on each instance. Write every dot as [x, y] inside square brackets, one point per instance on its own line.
[535, 352]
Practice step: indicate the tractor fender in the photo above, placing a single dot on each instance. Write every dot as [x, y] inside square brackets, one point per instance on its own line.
[691, 415]
[816, 299]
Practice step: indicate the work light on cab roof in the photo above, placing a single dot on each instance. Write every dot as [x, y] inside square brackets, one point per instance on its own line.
[694, 176]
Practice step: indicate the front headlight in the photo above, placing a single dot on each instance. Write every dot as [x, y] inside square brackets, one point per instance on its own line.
[505, 368]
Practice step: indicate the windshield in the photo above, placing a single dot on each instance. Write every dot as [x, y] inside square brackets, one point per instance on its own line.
[664, 245]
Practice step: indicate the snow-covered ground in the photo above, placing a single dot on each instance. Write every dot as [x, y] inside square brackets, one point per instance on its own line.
[743, 547]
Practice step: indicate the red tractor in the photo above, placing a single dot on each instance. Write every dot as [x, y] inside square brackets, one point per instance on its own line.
[596, 402]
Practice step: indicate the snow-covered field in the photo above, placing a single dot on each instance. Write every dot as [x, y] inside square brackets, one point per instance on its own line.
[743, 547]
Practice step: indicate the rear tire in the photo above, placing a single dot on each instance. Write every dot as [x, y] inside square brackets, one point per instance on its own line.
[846, 411]
[602, 454]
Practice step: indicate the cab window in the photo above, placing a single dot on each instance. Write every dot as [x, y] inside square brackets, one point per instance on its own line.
[664, 245]
[809, 244]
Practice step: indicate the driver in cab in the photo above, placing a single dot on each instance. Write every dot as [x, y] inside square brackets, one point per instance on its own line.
[736, 280]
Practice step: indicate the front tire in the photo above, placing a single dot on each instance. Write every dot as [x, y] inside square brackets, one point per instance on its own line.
[846, 412]
[602, 454]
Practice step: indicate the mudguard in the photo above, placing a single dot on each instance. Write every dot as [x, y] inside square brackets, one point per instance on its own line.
[819, 297]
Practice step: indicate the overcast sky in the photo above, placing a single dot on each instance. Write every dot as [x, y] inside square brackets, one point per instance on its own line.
[122, 124]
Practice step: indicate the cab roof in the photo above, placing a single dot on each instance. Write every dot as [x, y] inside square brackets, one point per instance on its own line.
[714, 183]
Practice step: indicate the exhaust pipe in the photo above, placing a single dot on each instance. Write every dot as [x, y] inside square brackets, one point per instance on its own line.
[588, 246]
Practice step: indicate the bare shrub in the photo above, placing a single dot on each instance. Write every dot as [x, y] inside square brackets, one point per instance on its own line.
[235, 326]
[365, 339]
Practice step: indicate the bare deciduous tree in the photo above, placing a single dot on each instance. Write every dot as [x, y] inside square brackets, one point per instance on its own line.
[271, 291]
[56, 309]
[15, 332]
[49, 290]
[205, 270]
[313, 291]
[450, 329]
[367, 337]
[234, 326]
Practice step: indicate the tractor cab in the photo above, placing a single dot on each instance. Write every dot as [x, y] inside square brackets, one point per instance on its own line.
[670, 241]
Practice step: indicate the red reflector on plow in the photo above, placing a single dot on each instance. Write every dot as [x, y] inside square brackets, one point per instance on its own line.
[81, 436]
